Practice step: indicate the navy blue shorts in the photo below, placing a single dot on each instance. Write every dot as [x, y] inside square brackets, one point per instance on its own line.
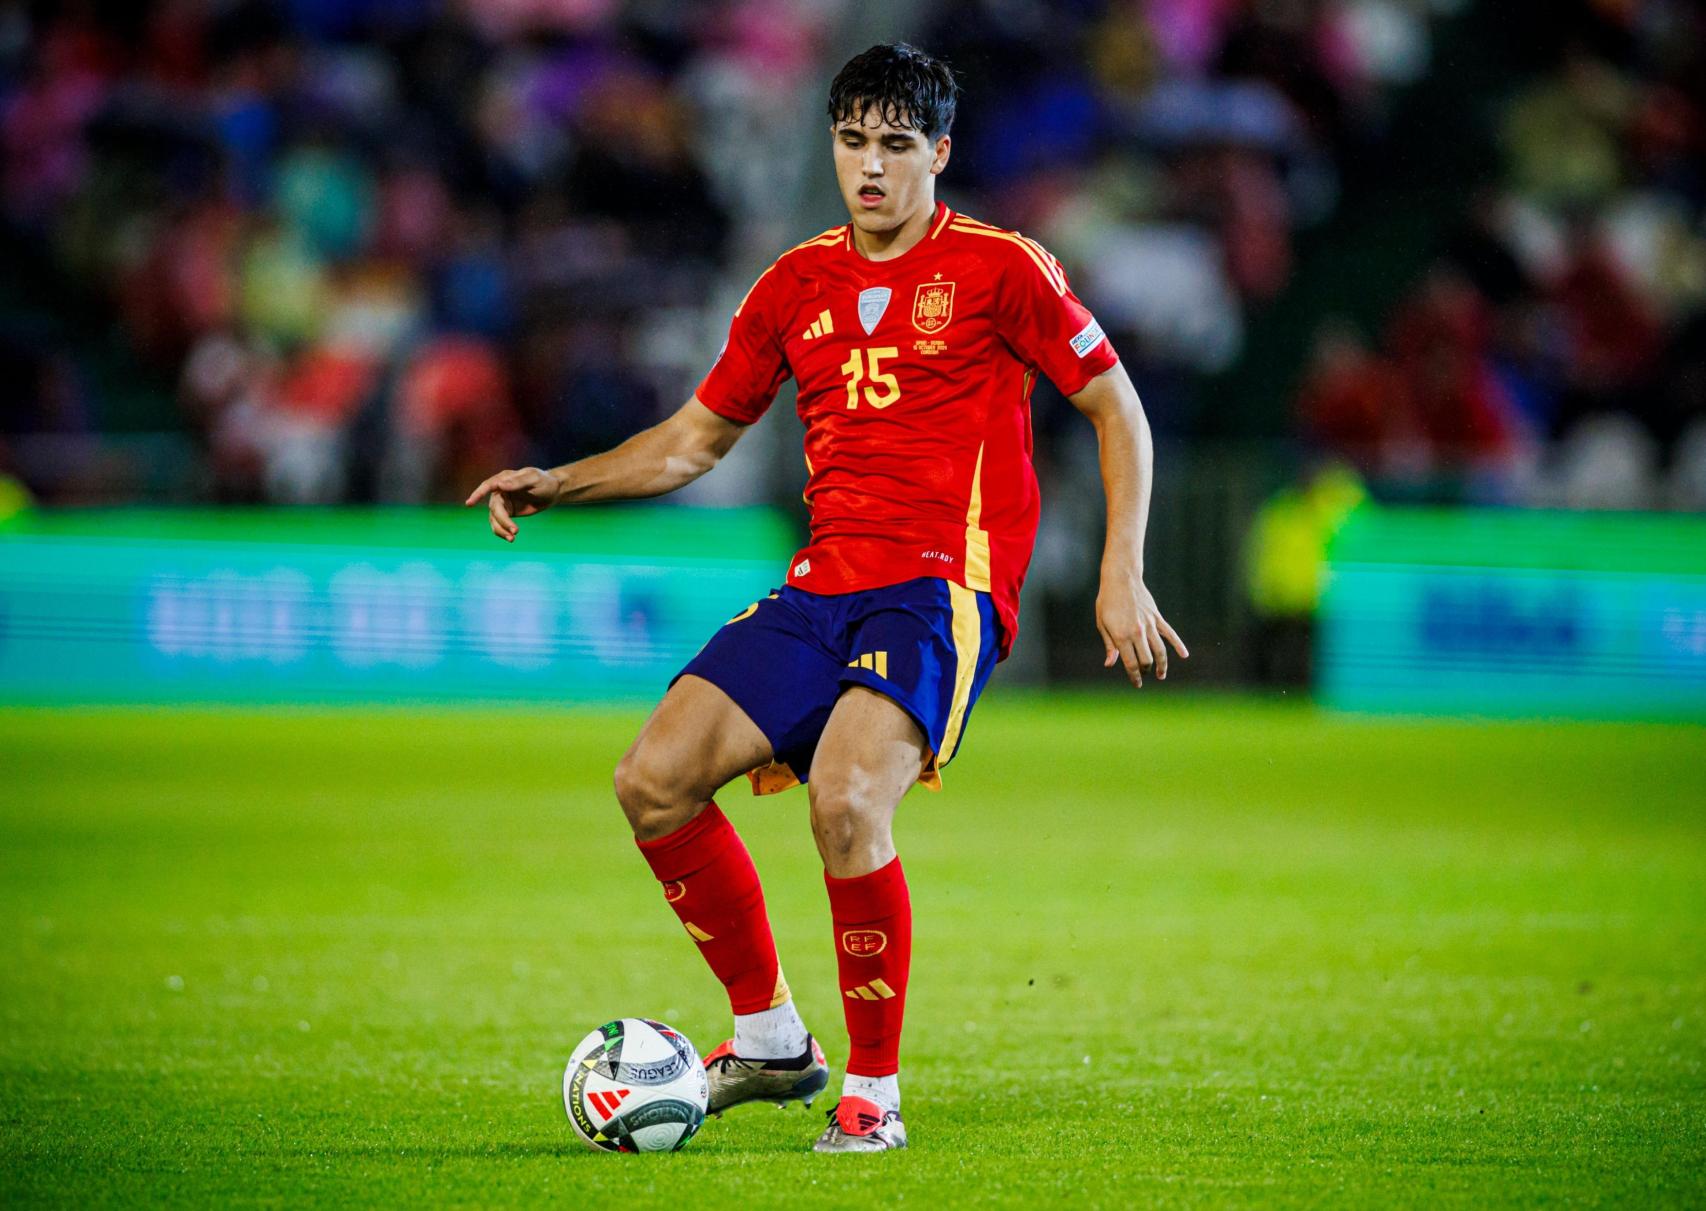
[928, 644]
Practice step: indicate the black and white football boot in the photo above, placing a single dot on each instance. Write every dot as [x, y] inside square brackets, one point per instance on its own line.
[734, 1080]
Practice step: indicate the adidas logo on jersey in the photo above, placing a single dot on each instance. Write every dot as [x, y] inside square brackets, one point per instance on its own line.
[822, 326]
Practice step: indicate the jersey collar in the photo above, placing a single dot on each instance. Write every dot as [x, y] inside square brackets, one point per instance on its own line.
[937, 225]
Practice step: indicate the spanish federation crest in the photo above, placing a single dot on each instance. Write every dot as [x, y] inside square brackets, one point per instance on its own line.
[872, 304]
[933, 307]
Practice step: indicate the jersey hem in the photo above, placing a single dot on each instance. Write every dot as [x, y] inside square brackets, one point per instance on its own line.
[1005, 633]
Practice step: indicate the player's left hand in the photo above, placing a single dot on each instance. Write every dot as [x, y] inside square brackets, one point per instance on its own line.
[1132, 629]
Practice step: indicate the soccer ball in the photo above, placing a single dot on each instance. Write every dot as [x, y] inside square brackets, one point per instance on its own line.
[635, 1085]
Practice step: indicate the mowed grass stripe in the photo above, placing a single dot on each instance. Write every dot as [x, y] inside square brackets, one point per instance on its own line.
[1170, 950]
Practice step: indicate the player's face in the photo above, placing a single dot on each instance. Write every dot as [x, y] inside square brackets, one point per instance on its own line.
[886, 172]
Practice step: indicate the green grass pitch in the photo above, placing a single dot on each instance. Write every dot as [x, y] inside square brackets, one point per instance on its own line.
[1170, 950]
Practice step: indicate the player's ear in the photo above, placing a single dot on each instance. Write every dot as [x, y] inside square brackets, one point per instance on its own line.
[944, 145]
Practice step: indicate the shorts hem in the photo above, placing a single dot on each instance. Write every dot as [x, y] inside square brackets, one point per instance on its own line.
[930, 776]
[776, 757]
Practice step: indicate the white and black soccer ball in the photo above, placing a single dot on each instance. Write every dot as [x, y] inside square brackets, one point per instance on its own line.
[635, 1085]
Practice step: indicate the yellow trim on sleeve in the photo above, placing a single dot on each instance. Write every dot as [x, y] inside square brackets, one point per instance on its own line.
[1048, 257]
[751, 288]
[1041, 259]
[825, 238]
[822, 240]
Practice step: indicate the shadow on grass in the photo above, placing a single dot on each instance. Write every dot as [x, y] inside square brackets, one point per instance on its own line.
[567, 1150]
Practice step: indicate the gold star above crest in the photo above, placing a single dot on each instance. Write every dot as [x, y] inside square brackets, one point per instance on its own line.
[937, 278]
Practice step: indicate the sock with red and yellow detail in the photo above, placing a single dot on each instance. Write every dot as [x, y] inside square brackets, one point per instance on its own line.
[873, 951]
[709, 880]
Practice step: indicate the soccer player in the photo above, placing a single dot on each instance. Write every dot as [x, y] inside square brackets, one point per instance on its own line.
[915, 335]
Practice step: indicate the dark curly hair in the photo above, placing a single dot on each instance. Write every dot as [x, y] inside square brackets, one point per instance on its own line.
[906, 86]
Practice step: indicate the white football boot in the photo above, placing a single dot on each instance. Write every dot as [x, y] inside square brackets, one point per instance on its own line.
[859, 1125]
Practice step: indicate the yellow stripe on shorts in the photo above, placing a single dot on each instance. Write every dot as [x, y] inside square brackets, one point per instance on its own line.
[968, 642]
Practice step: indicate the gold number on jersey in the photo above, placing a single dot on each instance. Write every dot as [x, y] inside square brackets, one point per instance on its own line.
[868, 363]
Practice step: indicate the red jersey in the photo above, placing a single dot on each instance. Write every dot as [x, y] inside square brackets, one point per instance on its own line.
[915, 379]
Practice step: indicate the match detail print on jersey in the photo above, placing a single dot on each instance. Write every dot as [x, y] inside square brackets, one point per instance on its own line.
[918, 423]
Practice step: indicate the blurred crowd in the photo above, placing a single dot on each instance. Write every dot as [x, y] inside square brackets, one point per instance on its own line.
[1555, 352]
[368, 249]
[1170, 151]
[374, 248]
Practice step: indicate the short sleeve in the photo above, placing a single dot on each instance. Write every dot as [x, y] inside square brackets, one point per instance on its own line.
[1046, 324]
[751, 367]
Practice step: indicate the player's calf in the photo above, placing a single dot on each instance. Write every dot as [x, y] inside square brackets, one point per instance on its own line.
[871, 753]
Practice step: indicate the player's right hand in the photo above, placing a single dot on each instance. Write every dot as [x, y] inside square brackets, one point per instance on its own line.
[512, 494]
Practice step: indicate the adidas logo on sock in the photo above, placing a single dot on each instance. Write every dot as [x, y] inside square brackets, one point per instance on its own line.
[876, 990]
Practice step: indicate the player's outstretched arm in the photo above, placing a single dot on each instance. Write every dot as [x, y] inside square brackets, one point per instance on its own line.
[655, 461]
[1132, 628]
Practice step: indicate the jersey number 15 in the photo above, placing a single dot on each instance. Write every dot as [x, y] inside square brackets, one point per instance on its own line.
[868, 363]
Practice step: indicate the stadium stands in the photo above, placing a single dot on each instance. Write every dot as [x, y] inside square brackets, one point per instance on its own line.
[335, 243]
[353, 252]
[1552, 352]
[270, 228]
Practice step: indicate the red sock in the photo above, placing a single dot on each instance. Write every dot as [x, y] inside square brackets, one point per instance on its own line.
[709, 879]
[873, 949]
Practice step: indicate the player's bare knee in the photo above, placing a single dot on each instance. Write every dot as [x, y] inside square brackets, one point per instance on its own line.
[848, 816]
[833, 827]
[630, 784]
[650, 798]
